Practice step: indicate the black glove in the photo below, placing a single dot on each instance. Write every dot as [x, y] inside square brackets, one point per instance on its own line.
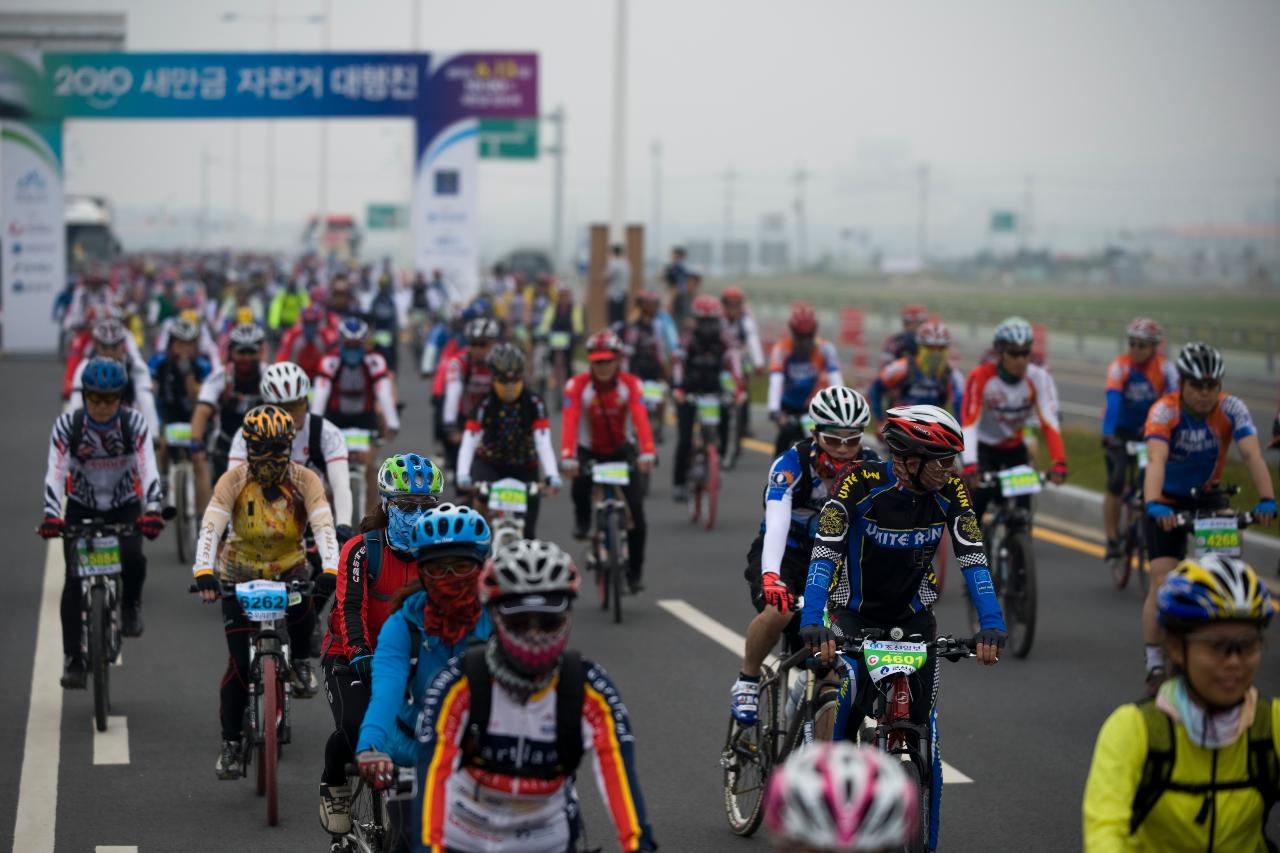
[325, 584]
[990, 637]
[343, 532]
[51, 527]
[815, 636]
[208, 583]
[362, 666]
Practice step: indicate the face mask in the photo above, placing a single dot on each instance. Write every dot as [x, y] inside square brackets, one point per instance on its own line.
[532, 652]
[1209, 729]
[310, 330]
[268, 470]
[453, 606]
[919, 476]
[932, 361]
[352, 357]
[399, 526]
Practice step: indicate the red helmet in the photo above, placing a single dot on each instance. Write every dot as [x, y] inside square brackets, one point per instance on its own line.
[927, 431]
[647, 297]
[706, 307]
[603, 346]
[803, 321]
[1146, 329]
[734, 293]
[934, 333]
[311, 314]
[915, 314]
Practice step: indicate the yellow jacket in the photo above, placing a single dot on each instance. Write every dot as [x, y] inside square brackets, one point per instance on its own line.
[1171, 827]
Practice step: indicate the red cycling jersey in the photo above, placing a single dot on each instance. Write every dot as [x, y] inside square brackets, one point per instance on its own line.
[595, 417]
[306, 354]
[358, 608]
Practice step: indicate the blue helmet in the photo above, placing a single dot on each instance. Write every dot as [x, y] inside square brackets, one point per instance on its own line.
[409, 474]
[103, 374]
[449, 530]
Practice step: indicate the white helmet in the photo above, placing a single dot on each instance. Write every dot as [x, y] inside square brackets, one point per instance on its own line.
[1013, 331]
[528, 567]
[284, 383]
[839, 407]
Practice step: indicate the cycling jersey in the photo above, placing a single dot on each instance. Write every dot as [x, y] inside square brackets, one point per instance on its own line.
[306, 352]
[1197, 446]
[82, 348]
[906, 384]
[1131, 389]
[362, 604]
[744, 335]
[465, 385]
[286, 306]
[874, 548]
[332, 466]
[995, 411]
[358, 389]
[698, 365]
[896, 346]
[1229, 820]
[232, 393]
[646, 353]
[604, 419]
[405, 650]
[169, 379]
[267, 526]
[101, 473]
[794, 380]
[470, 810]
[515, 435]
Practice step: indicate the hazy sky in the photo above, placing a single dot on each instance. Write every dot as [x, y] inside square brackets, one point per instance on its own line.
[1116, 113]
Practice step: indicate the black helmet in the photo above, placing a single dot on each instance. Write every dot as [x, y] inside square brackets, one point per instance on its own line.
[506, 360]
[1200, 361]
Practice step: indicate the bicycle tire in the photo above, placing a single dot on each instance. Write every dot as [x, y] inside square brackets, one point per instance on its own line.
[754, 746]
[269, 755]
[99, 656]
[613, 535]
[364, 836]
[919, 842]
[1122, 566]
[1020, 594]
[180, 520]
[695, 486]
[711, 494]
[823, 715]
[732, 439]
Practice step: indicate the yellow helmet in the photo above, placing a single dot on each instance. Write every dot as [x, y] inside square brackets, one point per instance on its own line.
[268, 425]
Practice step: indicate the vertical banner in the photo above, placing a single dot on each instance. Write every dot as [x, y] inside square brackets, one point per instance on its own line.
[33, 243]
[445, 231]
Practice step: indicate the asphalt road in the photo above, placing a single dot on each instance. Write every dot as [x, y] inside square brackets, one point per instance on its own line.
[1022, 731]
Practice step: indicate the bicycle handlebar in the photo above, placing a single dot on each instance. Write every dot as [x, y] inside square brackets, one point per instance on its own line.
[482, 488]
[304, 587]
[948, 646]
[98, 526]
[1188, 519]
[403, 783]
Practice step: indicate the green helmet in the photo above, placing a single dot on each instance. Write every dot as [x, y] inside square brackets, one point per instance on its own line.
[409, 474]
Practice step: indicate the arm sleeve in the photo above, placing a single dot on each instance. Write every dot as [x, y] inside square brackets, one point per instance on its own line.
[471, 437]
[216, 517]
[755, 352]
[350, 593]
[1114, 774]
[1047, 408]
[569, 419]
[452, 393]
[338, 473]
[55, 473]
[778, 498]
[640, 416]
[387, 402]
[390, 674]
[1112, 412]
[966, 544]
[148, 470]
[607, 733]
[971, 413]
[542, 442]
[320, 394]
[319, 516]
[144, 398]
[829, 548]
[774, 402]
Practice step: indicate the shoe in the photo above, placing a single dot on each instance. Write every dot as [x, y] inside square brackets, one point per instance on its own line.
[1156, 676]
[679, 494]
[231, 760]
[131, 620]
[635, 586]
[74, 673]
[335, 808]
[745, 696]
[304, 679]
[581, 531]
[1115, 549]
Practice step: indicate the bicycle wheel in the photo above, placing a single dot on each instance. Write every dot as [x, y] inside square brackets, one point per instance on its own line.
[366, 832]
[732, 438]
[613, 534]
[919, 842]
[747, 758]
[99, 655]
[180, 520]
[1123, 566]
[269, 754]
[711, 493]
[1141, 567]
[1019, 592]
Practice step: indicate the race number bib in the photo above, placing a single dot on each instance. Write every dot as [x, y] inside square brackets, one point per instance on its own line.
[98, 556]
[654, 391]
[262, 600]
[1217, 536]
[1138, 449]
[886, 659]
[559, 340]
[509, 495]
[611, 473]
[708, 409]
[178, 435]
[357, 440]
[1019, 480]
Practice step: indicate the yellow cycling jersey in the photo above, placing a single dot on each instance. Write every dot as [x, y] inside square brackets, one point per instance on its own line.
[1180, 820]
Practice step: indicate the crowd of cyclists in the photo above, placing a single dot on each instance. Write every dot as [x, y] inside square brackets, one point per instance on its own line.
[445, 650]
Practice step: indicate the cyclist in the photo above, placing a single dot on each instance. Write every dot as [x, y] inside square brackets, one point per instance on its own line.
[287, 306]
[562, 319]
[1188, 434]
[705, 354]
[1195, 768]
[481, 793]
[468, 380]
[229, 393]
[799, 483]
[510, 434]
[903, 343]
[101, 461]
[923, 378]
[112, 340]
[604, 420]
[872, 563]
[373, 570]
[676, 275]
[177, 373]
[1135, 381]
[384, 317]
[999, 397]
[744, 334]
[355, 390]
[841, 798]
[800, 364]
[263, 507]
[647, 354]
[307, 342]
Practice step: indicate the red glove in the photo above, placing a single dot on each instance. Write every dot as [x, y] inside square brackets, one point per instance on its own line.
[1058, 472]
[376, 768]
[151, 524]
[776, 592]
[51, 527]
[678, 395]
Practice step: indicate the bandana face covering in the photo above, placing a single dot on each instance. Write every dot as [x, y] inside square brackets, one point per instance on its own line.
[453, 606]
[399, 525]
[268, 469]
[534, 651]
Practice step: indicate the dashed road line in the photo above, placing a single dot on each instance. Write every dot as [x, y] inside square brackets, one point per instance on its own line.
[111, 746]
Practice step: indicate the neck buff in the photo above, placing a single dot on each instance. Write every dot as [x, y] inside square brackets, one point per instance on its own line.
[931, 362]
[1210, 729]
[510, 677]
[1006, 377]
[453, 606]
[399, 526]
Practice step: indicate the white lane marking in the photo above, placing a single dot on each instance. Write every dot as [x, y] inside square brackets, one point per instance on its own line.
[111, 746]
[734, 642]
[114, 849]
[38, 785]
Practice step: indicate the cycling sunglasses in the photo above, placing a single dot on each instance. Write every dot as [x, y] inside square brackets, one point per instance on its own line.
[246, 351]
[1018, 353]
[441, 567]
[508, 379]
[1138, 343]
[1204, 384]
[531, 622]
[842, 440]
[98, 398]
[410, 503]
[1224, 647]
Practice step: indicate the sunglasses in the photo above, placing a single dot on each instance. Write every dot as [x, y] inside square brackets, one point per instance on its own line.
[842, 440]
[1135, 343]
[508, 379]
[437, 569]
[409, 503]
[1204, 384]
[534, 622]
[1224, 647]
[100, 399]
[1018, 353]
[246, 351]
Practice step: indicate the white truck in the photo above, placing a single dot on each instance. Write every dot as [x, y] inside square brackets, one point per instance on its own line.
[91, 242]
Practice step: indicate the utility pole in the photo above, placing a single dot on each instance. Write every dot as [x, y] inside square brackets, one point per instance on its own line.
[802, 219]
[272, 15]
[556, 150]
[323, 183]
[730, 176]
[656, 240]
[618, 170]
[922, 212]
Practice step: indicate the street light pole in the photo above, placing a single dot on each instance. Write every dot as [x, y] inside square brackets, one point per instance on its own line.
[656, 241]
[323, 183]
[556, 119]
[618, 186]
[271, 135]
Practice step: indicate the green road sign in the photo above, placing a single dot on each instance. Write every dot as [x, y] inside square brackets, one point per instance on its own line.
[1004, 221]
[509, 138]
[386, 216]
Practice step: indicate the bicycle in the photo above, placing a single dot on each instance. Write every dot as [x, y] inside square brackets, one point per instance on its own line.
[792, 427]
[1009, 553]
[359, 443]
[559, 346]
[731, 426]
[98, 565]
[266, 723]
[373, 827]
[655, 403]
[182, 486]
[610, 520]
[506, 502]
[1134, 557]
[1213, 524]
[704, 468]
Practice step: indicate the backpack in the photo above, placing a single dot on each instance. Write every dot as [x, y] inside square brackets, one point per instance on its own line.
[569, 695]
[373, 558]
[1157, 771]
[77, 431]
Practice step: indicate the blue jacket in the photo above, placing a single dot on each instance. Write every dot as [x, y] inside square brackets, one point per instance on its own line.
[389, 721]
